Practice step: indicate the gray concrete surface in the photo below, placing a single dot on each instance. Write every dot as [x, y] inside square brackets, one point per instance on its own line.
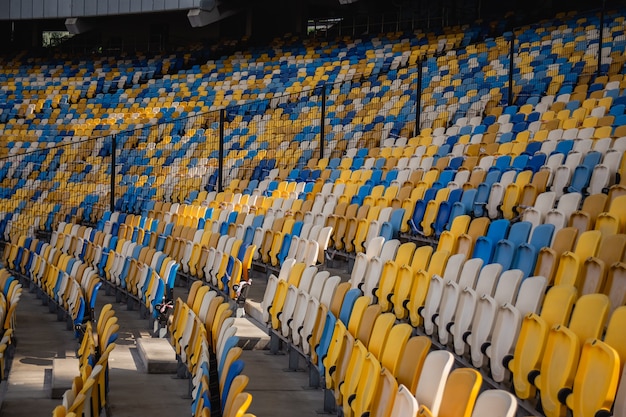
[63, 373]
[157, 355]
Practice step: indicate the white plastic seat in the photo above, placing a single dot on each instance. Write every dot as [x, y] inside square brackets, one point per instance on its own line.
[306, 280]
[508, 323]
[374, 247]
[317, 286]
[495, 403]
[372, 277]
[289, 307]
[299, 316]
[486, 284]
[432, 380]
[485, 315]
[359, 269]
[451, 293]
[389, 249]
[404, 403]
[599, 180]
[268, 297]
[330, 285]
[543, 203]
[308, 324]
[436, 289]
[562, 178]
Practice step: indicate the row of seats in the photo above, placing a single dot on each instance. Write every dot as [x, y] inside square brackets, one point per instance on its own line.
[591, 259]
[537, 290]
[67, 284]
[277, 239]
[572, 349]
[133, 271]
[367, 363]
[221, 260]
[11, 291]
[89, 391]
[203, 336]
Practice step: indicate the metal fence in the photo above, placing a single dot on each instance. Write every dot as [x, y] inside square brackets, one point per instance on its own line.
[388, 96]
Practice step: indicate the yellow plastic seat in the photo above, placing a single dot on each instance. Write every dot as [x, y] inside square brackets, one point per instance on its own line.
[448, 239]
[548, 257]
[419, 290]
[595, 268]
[380, 334]
[563, 348]
[570, 263]
[459, 395]
[394, 348]
[531, 341]
[595, 383]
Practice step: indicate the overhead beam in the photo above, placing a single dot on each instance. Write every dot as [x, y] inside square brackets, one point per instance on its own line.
[210, 11]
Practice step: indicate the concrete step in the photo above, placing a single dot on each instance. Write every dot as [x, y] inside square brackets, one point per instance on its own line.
[251, 335]
[157, 355]
[64, 370]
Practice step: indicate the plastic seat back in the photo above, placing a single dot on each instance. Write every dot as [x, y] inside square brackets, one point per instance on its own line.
[495, 403]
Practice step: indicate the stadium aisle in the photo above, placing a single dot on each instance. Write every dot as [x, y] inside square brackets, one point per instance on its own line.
[41, 338]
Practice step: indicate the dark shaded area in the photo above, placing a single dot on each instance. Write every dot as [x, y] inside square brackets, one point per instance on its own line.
[260, 21]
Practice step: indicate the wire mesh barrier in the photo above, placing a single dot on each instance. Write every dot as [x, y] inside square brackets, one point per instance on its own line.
[41, 187]
[304, 119]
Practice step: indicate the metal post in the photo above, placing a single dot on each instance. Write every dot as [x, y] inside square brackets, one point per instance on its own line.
[601, 35]
[113, 150]
[418, 97]
[511, 63]
[323, 122]
[220, 160]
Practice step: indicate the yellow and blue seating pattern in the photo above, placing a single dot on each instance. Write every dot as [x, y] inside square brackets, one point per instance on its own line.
[520, 206]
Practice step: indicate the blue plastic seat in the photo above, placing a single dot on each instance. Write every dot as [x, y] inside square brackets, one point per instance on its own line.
[482, 193]
[463, 206]
[325, 339]
[506, 248]
[563, 147]
[503, 162]
[444, 178]
[582, 173]
[532, 148]
[536, 162]
[526, 255]
[519, 163]
[348, 303]
[363, 192]
[230, 343]
[445, 208]
[234, 370]
[485, 245]
[419, 210]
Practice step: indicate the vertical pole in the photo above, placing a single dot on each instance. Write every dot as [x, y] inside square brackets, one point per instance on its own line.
[113, 151]
[220, 160]
[418, 97]
[511, 63]
[323, 122]
[599, 70]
